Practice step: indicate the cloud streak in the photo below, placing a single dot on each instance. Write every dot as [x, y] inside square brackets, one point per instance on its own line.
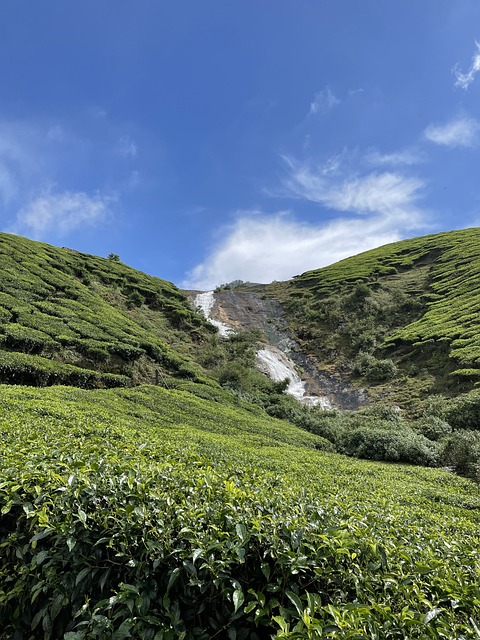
[464, 80]
[461, 132]
[407, 157]
[323, 102]
[385, 193]
[61, 213]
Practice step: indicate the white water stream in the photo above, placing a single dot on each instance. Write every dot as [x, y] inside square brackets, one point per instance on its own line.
[279, 367]
[271, 360]
[205, 301]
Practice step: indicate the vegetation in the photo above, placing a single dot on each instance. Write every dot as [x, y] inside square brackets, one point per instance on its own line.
[62, 311]
[147, 513]
[401, 320]
[213, 505]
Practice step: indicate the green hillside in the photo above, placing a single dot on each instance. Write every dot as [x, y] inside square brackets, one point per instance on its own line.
[414, 302]
[150, 513]
[72, 318]
[154, 485]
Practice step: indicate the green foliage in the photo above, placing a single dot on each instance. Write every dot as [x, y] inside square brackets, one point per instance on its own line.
[113, 257]
[464, 412]
[373, 369]
[383, 444]
[92, 313]
[23, 369]
[149, 513]
[461, 451]
[433, 428]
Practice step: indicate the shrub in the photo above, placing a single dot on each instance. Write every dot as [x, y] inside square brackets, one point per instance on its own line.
[464, 411]
[461, 451]
[382, 444]
[433, 428]
[373, 369]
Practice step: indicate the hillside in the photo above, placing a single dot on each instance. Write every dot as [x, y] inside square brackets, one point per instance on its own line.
[72, 318]
[154, 484]
[401, 320]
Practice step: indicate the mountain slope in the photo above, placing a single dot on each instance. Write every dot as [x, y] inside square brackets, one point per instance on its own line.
[67, 317]
[414, 302]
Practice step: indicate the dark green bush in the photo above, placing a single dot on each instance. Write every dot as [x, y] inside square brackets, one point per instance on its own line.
[464, 412]
[381, 444]
[373, 369]
[433, 428]
[461, 451]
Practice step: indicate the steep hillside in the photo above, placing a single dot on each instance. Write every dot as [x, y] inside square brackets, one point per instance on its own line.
[72, 318]
[402, 320]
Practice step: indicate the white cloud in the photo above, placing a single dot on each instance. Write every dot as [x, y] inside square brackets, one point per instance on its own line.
[462, 132]
[381, 208]
[382, 193]
[323, 101]
[259, 248]
[464, 80]
[61, 213]
[406, 157]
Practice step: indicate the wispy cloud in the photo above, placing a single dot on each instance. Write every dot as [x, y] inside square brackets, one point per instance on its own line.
[461, 132]
[464, 80]
[323, 101]
[127, 147]
[406, 157]
[384, 193]
[62, 212]
[38, 158]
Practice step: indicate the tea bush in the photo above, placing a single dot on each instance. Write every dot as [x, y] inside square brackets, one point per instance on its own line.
[149, 513]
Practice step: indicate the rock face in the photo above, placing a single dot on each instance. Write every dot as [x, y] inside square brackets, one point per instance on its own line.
[281, 357]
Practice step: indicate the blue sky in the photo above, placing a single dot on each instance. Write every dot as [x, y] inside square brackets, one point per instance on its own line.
[205, 141]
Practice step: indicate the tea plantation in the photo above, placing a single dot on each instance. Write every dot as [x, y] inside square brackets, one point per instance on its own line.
[150, 490]
[153, 513]
[72, 318]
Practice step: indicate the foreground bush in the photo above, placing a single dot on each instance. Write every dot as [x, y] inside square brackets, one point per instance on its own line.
[148, 513]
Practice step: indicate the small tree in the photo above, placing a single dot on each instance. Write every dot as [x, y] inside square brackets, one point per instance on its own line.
[114, 257]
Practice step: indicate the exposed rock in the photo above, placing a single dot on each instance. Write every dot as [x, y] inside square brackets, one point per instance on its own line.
[242, 311]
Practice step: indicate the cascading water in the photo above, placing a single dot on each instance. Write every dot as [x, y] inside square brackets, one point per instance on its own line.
[279, 367]
[270, 360]
[205, 301]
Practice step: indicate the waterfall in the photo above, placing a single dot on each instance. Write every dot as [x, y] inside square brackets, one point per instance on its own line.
[270, 360]
[279, 367]
[205, 301]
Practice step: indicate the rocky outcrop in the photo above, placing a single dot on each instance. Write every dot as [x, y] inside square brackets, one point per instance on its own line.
[242, 311]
